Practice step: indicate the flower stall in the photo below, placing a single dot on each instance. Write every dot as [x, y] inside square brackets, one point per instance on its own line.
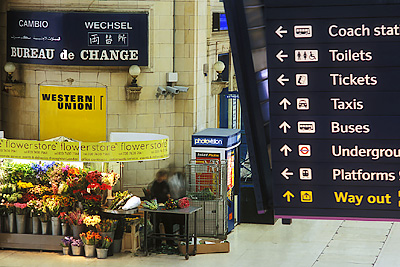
[43, 203]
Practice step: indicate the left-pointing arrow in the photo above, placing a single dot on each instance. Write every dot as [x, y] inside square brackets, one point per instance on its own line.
[280, 31]
[288, 196]
[281, 79]
[284, 126]
[281, 56]
[285, 150]
[286, 173]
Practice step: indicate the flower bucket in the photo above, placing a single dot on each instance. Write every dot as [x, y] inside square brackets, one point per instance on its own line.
[76, 251]
[35, 225]
[76, 230]
[21, 223]
[44, 228]
[90, 251]
[11, 222]
[117, 245]
[65, 250]
[64, 229]
[101, 253]
[55, 226]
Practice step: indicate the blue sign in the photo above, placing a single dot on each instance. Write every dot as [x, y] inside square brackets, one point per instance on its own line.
[85, 39]
[335, 122]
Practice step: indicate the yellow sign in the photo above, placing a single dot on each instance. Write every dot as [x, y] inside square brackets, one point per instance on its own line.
[84, 151]
[306, 196]
[76, 112]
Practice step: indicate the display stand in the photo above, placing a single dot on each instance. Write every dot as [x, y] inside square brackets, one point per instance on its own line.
[30, 241]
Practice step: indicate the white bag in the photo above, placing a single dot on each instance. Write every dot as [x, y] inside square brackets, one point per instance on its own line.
[132, 203]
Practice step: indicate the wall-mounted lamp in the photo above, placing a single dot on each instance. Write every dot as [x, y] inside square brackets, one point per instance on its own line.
[9, 67]
[133, 91]
[218, 85]
[13, 87]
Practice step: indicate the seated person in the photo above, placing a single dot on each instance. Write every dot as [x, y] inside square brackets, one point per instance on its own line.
[160, 190]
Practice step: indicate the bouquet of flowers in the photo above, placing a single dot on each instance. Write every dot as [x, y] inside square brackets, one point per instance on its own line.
[10, 208]
[90, 238]
[76, 242]
[171, 204]
[52, 204]
[41, 171]
[105, 242]
[24, 186]
[63, 217]
[106, 225]
[35, 206]
[39, 190]
[75, 217]
[92, 220]
[21, 208]
[110, 178]
[183, 203]
[66, 241]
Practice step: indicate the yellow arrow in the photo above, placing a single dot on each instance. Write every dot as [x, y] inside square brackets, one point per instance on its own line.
[288, 195]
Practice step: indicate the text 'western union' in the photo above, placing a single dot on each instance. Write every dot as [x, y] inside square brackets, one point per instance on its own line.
[72, 102]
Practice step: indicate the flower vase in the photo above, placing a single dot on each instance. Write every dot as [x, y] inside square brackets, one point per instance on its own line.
[11, 223]
[21, 223]
[35, 225]
[1, 224]
[90, 251]
[64, 229]
[76, 230]
[65, 250]
[101, 253]
[76, 251]
[44, 228]
[55, 226]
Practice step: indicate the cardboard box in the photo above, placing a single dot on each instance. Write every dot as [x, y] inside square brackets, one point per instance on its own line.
[203, 248]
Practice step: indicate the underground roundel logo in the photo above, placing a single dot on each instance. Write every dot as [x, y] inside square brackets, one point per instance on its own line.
[304, 150]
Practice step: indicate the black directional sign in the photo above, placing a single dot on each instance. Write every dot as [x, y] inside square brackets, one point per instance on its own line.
[334, 85]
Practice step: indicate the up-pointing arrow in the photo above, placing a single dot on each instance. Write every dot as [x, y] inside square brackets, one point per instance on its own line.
[280, 31]
[286, 173]
[285, 150]
[288, 195]
[281, 79]
[285, 126]
[281, 56]
[285, 103]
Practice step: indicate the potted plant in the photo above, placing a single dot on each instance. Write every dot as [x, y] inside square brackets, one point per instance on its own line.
[64, 225]
[91, 221]
[53, 206]
[103, 247]
[21, 209]
[65, 243]
[35, 207]
[107, 227]
[76, 246]
[90, 239]
[75, 220]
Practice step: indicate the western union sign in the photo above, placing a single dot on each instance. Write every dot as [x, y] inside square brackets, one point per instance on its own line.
[77, 112]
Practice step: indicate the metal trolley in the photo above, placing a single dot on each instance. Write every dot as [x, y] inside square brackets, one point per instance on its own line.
[206, 186]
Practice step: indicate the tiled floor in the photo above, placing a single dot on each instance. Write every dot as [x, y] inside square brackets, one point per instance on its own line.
[303, 243]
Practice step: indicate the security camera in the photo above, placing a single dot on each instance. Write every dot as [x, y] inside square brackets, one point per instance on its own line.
[172, 90]
[161, 91]
[181, 88]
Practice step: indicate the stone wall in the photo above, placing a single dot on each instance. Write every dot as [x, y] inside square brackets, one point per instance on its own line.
[178, 117]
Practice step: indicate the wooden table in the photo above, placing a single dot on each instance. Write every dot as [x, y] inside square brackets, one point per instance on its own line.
[185, 237]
